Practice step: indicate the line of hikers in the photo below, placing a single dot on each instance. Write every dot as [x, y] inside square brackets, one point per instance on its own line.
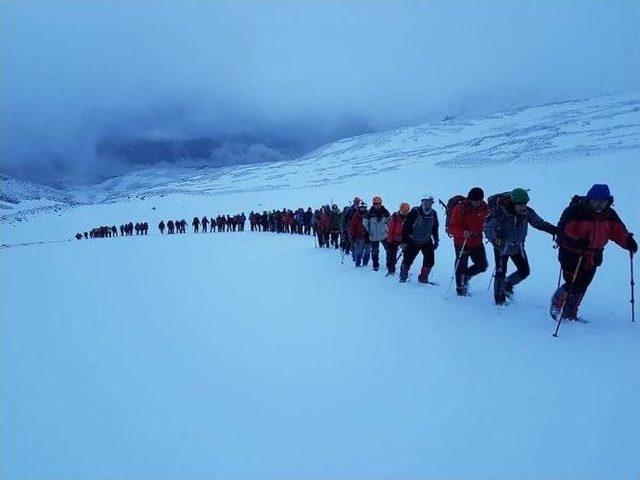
[300, 222]
[581, 234]
[222, 223]
[126, 230]
[584, 228]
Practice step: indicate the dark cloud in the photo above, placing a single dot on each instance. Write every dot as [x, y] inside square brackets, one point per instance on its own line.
[94, 88]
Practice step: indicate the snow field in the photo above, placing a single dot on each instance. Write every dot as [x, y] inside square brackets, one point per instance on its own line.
[253, 355]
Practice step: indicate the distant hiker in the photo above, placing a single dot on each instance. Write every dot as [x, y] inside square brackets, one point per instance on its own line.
[506, 228]
[585, 227]
[335, 224]
[196, 224]
[359, 236]
[466, 225]
[183, 226]
[122, 230]
[323, 227]
[170, 227]
[145, 227]
[78, 236]
[114, 231]
[394, 236]
[420, 234]
[375, 223]
[242, 220]
[347, 213]
[307, 220]
[161, 226]
[205, 224]
[86, 235]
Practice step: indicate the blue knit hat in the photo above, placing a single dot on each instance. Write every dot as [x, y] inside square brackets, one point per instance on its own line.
[599, 192]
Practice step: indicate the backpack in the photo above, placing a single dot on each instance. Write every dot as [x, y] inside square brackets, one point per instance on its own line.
[494, 201]
[423, 227]
[448, 209]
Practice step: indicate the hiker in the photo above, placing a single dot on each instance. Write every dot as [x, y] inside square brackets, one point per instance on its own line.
[78, 236]
[114, 231]
[307, 221]
[347, 213]
[161, 226]
[394, 236]
[145, 228]
[506, 228]
[196, 224]
[322, 226]
[359, 237]
[86, 235]
[585, 227]
[335, 223]
[420, 234]
[466, 224]
[205, 224]
[375, 223]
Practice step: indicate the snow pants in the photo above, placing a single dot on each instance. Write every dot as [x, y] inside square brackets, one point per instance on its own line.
[501, 281]
[335, 239]
[375, 254]
[410, 253]
[570, 294]
[392, 255]
[478, 256]
[361, 251]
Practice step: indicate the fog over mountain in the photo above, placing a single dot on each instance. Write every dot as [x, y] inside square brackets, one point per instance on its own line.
[93, 89]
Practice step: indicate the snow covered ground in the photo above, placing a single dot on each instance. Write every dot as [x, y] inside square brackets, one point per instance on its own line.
[254, 355]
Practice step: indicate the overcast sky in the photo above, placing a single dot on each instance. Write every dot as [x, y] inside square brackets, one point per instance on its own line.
[283, 74]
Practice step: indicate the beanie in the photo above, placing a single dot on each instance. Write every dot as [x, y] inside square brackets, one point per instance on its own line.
[599, 192]
[475, 194]
[519, 196]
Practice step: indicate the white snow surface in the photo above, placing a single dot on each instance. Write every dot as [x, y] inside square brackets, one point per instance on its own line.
[255, 355]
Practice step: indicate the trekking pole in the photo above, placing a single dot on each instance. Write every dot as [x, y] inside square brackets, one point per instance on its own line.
[457, 264]
[633, 284]
[491, 279]
[559, 276]
[573, 281]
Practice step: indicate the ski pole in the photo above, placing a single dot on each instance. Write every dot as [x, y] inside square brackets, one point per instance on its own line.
[491, 279]
[457, 264]
[633, 284]
[573, 281]
[559, 276]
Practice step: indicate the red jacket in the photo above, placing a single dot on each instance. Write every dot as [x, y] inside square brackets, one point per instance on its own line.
[322, 222]
[394, 228]
[465, 217]
[585, 231]
[356, 228]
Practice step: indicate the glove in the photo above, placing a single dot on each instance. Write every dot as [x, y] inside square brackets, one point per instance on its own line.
[632, 245]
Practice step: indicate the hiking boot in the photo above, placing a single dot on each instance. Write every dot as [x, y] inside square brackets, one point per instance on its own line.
[508, 290]
[404, 274]
[424, 275]
[462, 292]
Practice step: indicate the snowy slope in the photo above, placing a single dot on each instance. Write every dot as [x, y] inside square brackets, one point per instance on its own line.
[20, 198]
[251, 355]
